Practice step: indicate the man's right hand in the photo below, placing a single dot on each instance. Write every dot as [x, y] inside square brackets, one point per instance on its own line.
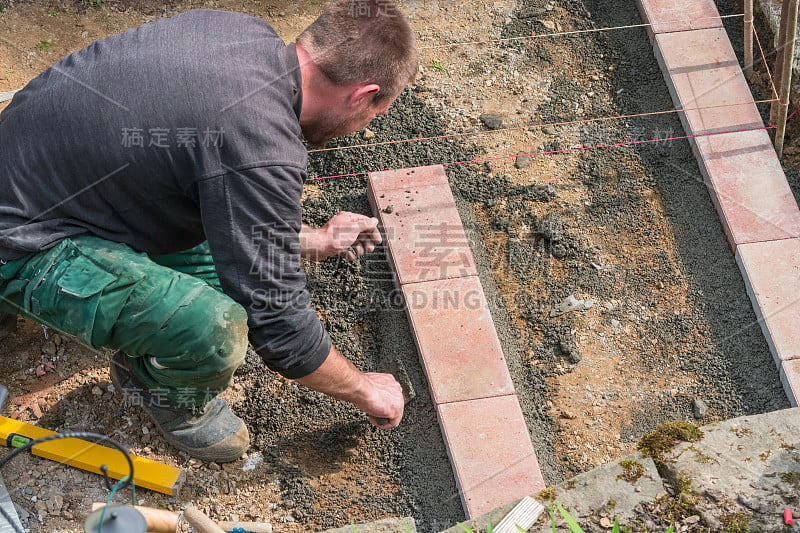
[385, 407]
[378, 395]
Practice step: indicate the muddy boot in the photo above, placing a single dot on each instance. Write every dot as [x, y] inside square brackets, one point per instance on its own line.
[8, 323]
[212, 433]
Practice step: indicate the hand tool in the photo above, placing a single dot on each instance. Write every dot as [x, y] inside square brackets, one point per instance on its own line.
[389, 362]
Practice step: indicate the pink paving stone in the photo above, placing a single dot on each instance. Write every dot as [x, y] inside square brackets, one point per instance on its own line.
[701, 70]
[423, 232]
[388, 180]
[749, 187]
[678, 15]
[456, 340]
[771, 272]
[790, 378]
[491, 452]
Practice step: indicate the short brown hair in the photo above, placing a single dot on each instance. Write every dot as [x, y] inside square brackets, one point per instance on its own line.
[363, 41]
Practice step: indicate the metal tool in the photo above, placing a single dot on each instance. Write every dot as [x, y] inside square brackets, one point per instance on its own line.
[8, 507]
[115, 518]
[5, 498]
[389, 362]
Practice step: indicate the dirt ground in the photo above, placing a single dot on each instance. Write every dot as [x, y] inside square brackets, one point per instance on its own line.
[668, 332]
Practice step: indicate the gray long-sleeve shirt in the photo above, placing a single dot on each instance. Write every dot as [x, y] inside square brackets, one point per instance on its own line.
[161, 137]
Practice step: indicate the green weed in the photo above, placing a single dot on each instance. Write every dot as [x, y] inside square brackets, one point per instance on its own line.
[43, 45]
[438, 66]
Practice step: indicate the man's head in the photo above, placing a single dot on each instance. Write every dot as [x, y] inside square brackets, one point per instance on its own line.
[355, 60]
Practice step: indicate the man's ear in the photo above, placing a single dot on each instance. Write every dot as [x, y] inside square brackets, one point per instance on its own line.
[363, 93]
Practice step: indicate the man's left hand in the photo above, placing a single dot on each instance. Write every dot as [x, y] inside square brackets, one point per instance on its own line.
[347, 234]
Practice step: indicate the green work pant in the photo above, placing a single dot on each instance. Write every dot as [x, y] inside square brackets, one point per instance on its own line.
[184, 337]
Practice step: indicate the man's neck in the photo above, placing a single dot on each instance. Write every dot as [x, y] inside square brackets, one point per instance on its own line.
[318, 91]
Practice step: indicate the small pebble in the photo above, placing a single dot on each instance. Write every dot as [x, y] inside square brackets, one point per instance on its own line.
[523, 161]
[699, 408]
[492, 120]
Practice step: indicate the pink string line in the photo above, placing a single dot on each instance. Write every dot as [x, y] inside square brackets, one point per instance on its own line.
[766, 65]
[566, 150]
[569, 122]
[576, 32]
[531, 126]
[629, 143]
[790, 116]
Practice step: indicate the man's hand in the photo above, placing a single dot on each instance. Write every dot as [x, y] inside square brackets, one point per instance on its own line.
[378, 395]
[385, 408]
[347, 234]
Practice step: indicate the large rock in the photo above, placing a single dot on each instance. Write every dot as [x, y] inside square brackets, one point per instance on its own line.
[613, 489]
[744, 467]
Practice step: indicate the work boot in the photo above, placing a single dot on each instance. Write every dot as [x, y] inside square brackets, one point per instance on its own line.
[212, 433]
[8, 323]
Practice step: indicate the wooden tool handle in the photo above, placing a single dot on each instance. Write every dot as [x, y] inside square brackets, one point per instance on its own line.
[250, 527]
[200, 521]
[158, 520]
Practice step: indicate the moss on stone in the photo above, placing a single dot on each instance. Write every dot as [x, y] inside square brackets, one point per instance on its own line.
[736, 522]
[791, 478]
[631, 470]
[666, 436]
[547, 495]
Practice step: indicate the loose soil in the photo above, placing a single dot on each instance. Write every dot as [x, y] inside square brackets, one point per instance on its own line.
[670, 335]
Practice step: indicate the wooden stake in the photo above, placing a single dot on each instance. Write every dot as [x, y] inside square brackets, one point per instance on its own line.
[789, 13]
[780, 48]
[748, 39]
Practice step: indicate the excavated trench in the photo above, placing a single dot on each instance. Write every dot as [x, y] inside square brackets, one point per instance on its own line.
[713, 337]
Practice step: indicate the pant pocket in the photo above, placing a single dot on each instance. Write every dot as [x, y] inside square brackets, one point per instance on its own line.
[68, 295]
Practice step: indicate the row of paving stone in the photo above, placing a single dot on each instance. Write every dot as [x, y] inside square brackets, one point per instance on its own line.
[740, 476]
[741, 169]
[492, 457]
[481, 420]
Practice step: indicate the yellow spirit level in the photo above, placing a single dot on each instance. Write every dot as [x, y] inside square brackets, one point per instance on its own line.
[89, 456]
